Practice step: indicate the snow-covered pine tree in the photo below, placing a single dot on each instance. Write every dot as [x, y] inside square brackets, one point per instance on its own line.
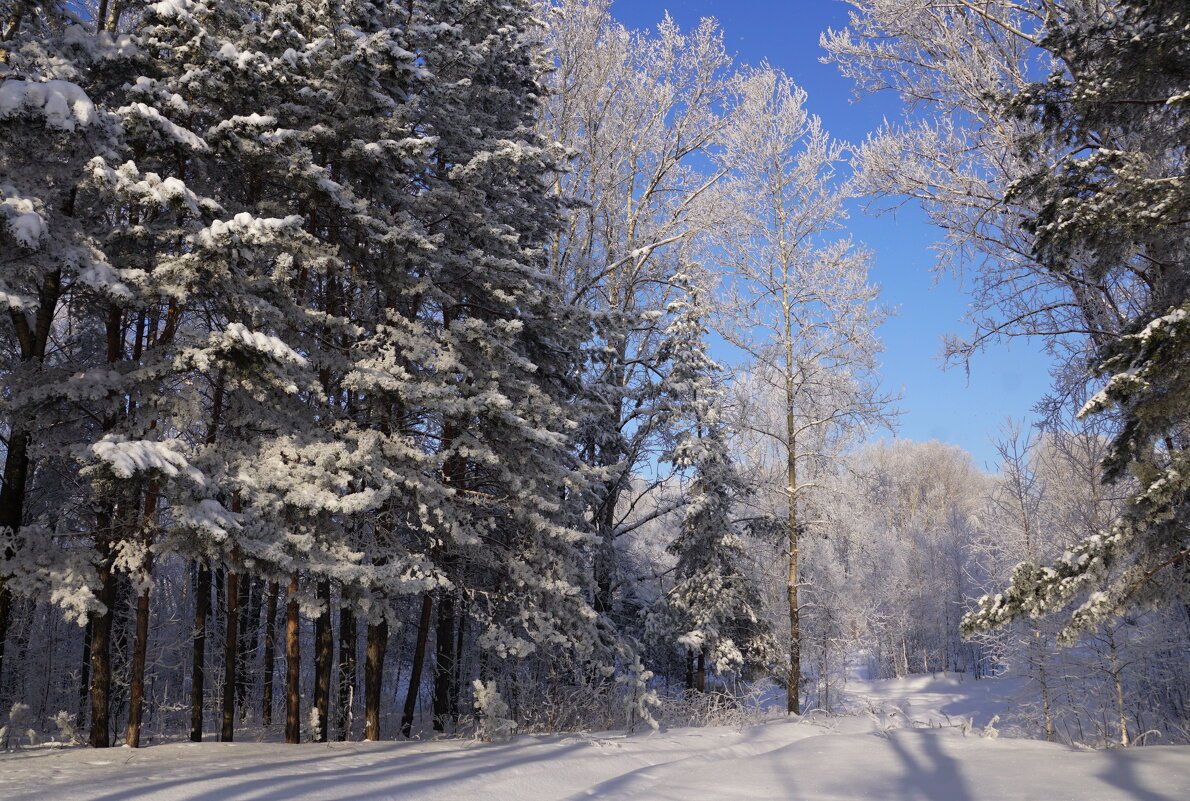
[712, 611]
[1115, 202]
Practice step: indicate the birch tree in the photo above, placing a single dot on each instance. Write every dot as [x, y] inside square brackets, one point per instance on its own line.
[797, 300]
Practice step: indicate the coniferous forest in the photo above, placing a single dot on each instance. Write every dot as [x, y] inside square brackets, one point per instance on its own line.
[377, 368]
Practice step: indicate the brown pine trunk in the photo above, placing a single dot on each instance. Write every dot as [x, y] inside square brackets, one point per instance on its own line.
[323, 658]
[444, 660]
[101, 656]
[247, 604]
[32, 337]
[419, 660]
[5, 606]
[701, 680]
[293, 667]
[374, 677]
[85, 670]
[141, 646]
[270, 638]
[347, 671]
[231, 634]
[202, 603]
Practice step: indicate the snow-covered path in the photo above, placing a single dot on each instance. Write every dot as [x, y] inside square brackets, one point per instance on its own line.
[860, 757]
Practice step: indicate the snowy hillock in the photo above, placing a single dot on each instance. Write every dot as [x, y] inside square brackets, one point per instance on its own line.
[918, 738]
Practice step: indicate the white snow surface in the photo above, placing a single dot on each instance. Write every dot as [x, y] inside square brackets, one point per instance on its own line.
[887, 751]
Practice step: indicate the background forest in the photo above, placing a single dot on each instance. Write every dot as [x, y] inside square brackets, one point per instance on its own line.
[374, 368]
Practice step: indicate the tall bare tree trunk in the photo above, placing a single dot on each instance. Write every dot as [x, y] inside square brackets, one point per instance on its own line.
[202, 603]
[293, 667]
[141, 646]
[231, 635]
[101, 655]
[85, 670]
[249, 618]
[32, 339]
[323, 660]
[795, 649]
[419, 660]
[270, 650]
[374, 677]
[444, 641]
[347, 672]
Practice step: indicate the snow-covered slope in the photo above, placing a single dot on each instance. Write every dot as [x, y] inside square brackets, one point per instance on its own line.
[886, 751]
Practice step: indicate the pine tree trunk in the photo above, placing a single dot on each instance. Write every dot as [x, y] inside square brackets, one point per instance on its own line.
[690, 670]
[141, 644]
[419, 660]
[347, 671]
[139, 655]
[230, 637]
[444, 659]
[456, 673]
[249, 615]
[202, 603]
[85, 670]
[270, 640]
[12, 501]
[293, 667]
[702, 673]
[101, 656]
[374, 677]
[323, 659]
[13, 488]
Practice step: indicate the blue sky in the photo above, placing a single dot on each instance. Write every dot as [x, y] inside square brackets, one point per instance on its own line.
[952, 406]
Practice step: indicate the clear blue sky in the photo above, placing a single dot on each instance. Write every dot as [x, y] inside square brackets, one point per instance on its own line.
[950, 405]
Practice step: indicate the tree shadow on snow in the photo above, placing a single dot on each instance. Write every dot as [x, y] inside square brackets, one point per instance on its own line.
[361, 778]
[935, 776]
[1121, 772]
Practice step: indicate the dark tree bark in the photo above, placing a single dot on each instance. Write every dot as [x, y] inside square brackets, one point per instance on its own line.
[249, 606]
[324, 643]
[347, 671]
[32, 336]
[139, 655]
[270, 646]
[141, 643]
[701, 685]
[202, 604]
[101, 656]
[230, 636]
[419, 660]
[85, 671]
[456, 675]
[293, 667]
[374, 677]
[444, 642]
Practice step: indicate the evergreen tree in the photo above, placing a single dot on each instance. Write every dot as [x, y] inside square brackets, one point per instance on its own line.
[713, 608]
[1116, 202]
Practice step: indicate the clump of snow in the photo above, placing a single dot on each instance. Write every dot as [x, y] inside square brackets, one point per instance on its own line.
[64, 104]
[127, 458]
[237, 334]
[21, 217]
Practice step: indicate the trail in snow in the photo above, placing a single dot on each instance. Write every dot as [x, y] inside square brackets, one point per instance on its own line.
[886, 751]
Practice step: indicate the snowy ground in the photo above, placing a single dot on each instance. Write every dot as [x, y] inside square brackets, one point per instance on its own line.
[887, 751]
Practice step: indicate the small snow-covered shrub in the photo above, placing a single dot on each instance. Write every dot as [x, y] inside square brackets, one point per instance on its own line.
[18, 725]
[67, 725]
[495, 724]
[640, 700]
